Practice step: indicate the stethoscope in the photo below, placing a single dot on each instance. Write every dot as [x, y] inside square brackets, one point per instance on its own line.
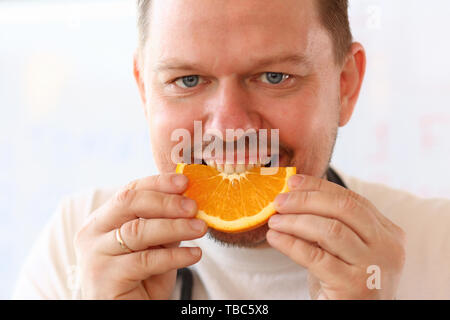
[187, 279]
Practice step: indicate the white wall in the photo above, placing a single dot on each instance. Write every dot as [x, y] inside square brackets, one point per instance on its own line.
[400, 131]
[71, 116]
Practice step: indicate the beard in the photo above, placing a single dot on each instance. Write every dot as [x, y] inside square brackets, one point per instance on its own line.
[257, 237]
[248, 239]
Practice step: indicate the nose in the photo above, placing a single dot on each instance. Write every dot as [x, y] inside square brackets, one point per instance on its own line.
[231, 107]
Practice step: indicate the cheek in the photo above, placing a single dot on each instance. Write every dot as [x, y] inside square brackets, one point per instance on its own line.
[304, 121]
[163, 121]
[167, 114]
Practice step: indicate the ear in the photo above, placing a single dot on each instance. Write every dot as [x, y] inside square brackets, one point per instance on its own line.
[139, 80]
[352, 76]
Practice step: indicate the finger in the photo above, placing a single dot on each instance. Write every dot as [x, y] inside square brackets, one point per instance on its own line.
[311, 183]
[320, 263]
[330, 234]
[171, 245]
[141, 234]
[145, 204]
[300, 182]
[335, 206]
[315, 288]
[305, 182]
[165, 182]
[143, 264]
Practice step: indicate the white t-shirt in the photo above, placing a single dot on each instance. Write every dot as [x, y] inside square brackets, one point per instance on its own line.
[244, 273]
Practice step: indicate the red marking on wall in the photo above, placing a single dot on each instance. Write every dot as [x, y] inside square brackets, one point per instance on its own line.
[428, 124]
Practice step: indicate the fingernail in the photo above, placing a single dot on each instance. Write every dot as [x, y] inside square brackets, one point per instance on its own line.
[274, 220]
[281, 199]
[188, 205]
[197, 224]
[295, 181]
[179, 180]
[195, 251]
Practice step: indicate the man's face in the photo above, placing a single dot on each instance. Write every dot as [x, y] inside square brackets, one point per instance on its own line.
[256, 65]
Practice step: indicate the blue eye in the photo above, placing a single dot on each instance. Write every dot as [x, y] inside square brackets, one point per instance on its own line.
[274, 77]
[188, 81]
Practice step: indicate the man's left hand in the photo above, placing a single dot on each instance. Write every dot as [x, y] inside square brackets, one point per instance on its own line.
[337, 235]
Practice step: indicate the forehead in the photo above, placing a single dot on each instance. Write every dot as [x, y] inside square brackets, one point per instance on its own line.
[227, 35]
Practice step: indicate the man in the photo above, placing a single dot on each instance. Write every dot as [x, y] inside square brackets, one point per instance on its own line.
[288, 65]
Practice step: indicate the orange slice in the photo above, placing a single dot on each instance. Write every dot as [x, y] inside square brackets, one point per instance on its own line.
[235, 202]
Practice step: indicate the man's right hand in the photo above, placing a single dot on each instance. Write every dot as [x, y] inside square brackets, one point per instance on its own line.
[153, 218]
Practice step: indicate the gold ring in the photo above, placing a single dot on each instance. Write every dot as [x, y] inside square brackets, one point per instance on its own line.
[121, 242]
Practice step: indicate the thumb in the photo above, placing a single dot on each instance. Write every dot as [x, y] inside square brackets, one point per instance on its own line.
[161, 286]
[315, 288]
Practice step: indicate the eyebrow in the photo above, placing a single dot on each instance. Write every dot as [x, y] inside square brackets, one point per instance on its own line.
[176, 64]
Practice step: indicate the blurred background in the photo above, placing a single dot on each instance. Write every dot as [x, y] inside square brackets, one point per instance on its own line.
[71, 118]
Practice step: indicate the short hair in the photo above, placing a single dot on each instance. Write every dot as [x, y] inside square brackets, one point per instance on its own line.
[333, 15]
